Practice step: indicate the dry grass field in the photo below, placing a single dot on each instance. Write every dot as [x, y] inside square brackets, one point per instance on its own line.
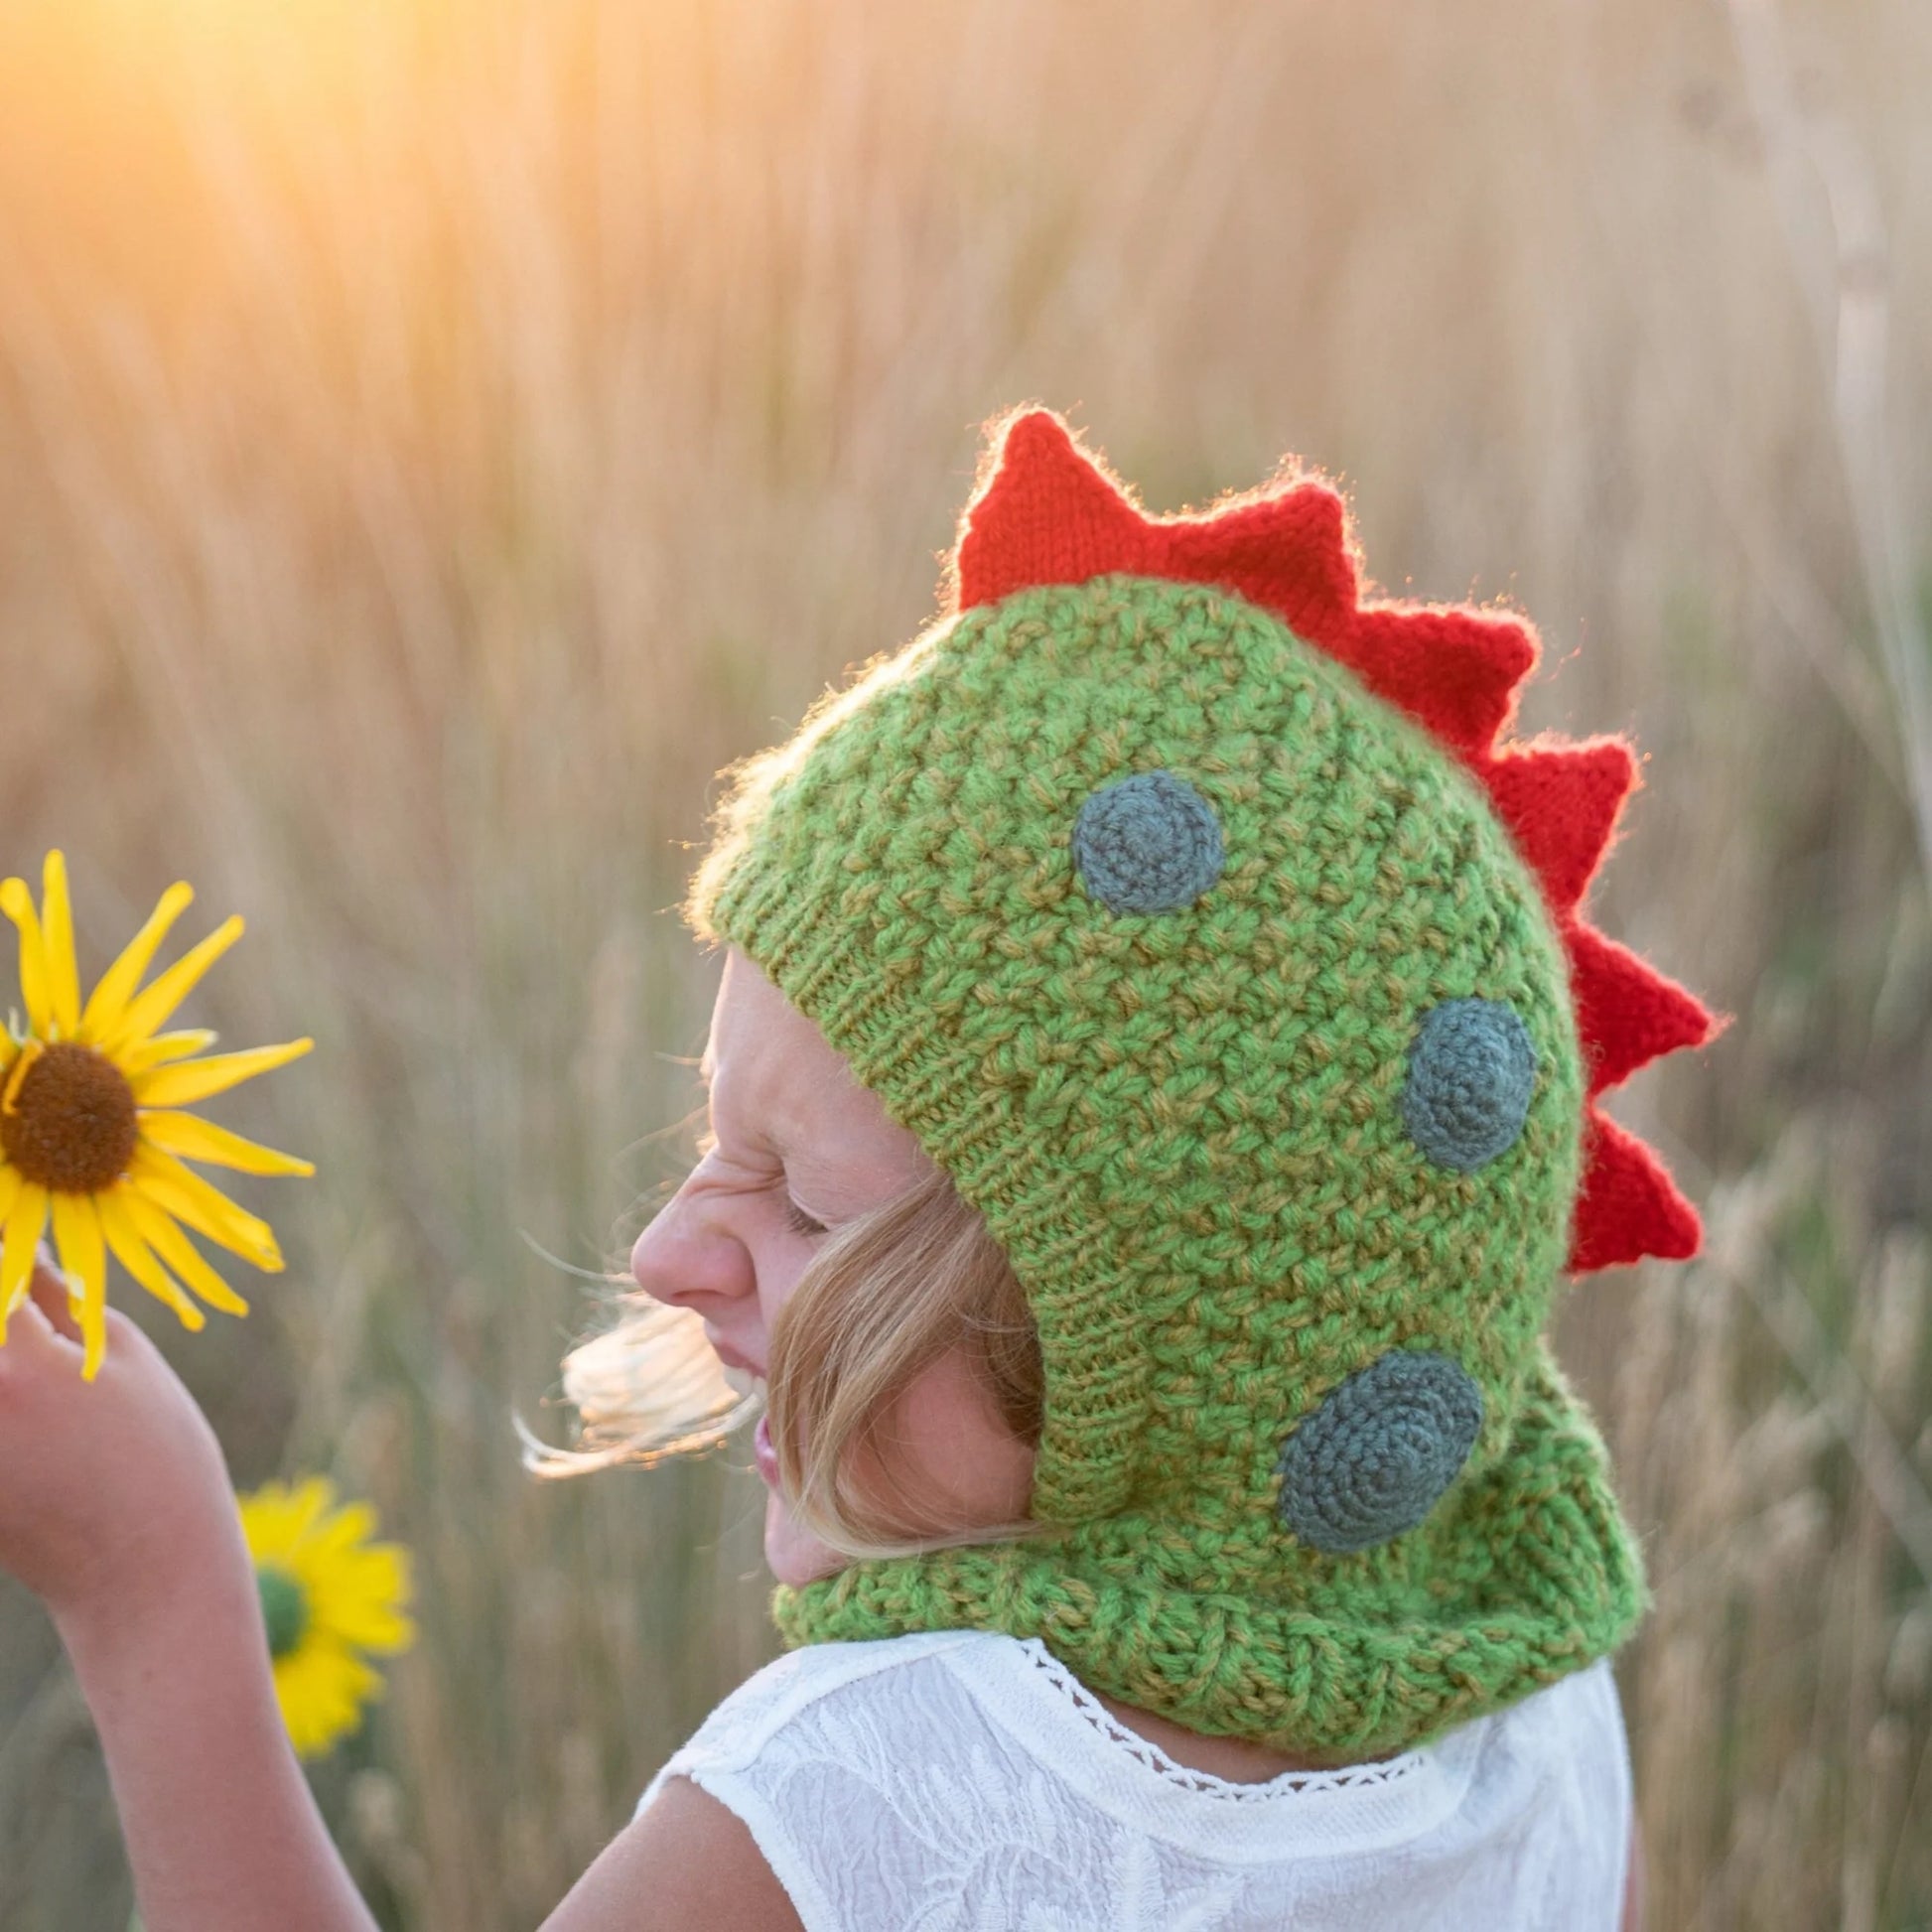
[437, 435]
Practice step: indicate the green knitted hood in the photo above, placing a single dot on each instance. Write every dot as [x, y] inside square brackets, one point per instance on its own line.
[1186, 911]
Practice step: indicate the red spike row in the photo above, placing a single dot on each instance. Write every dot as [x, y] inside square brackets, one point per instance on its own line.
[1047, 512]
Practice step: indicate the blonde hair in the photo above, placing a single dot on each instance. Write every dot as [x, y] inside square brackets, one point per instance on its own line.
[887, 1296]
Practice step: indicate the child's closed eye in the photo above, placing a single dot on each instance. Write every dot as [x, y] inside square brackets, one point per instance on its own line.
[799, 1222]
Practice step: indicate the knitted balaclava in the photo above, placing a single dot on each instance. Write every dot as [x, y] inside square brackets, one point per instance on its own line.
[1186, 909]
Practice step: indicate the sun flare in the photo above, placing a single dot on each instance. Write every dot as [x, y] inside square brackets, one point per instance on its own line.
[92, 1133]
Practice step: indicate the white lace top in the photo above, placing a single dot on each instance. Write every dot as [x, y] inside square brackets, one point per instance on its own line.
[964, 1779]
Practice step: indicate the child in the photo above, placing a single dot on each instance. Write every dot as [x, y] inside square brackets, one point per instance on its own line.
[1153, 1096]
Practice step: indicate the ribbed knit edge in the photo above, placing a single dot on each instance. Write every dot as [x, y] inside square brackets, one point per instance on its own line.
[1095, 1371]
[1567, 1589]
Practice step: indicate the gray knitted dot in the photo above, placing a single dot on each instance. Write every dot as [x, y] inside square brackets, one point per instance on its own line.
[1472, 1070]
[1148, 844]
[1378, 1453]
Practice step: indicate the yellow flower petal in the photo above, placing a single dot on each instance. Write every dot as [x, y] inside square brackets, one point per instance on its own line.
[11, 1182]
[83, 1260]
[194, 1139]
[266, 1522]
[182, 1086]
[361, 1599]
[379, 1633]
[26, 1223]
[56, 941]
[181, 1255]
[160, 1178]
[17, 903]
[10, 1093]
[310, 1502]
[106, 1007]
[147, 1010]
[134, 1254]
[162, 1048]
[321, 1687]
[7, 1048]
[277, 1518]
[354, 1523]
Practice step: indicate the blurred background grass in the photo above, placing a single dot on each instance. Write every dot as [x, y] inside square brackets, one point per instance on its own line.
[436, 437]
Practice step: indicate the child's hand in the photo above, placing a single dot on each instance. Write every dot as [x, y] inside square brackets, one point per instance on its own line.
[115, 1507]
[108, 1489]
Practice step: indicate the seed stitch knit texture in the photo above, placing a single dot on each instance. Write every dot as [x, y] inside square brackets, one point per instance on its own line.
[1133, 904]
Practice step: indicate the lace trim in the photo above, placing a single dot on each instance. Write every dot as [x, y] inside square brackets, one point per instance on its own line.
[1351, 1777]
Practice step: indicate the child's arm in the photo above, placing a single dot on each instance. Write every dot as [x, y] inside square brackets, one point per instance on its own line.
[115, 1508]
[689, 1860]
[1633, 1882]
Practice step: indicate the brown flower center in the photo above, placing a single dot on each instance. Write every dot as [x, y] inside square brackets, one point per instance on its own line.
[71, 1123]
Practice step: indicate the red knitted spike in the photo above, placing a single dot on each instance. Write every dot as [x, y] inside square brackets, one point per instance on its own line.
[1454, 671]
[1627, 1206]
[1289, 553]
[1560, 800]
[1628, 1013]
[1046, 514]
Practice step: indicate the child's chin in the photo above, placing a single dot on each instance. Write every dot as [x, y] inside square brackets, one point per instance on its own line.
[793, 1555]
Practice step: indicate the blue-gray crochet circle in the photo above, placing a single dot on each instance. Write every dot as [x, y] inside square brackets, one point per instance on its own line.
[1378, 1453]
[1148, 844]
[1472, 1070]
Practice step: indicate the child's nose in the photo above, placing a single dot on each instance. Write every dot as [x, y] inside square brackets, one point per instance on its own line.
[686, 1255]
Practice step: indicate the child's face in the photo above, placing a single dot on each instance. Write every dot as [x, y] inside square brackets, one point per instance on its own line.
[796, 1147]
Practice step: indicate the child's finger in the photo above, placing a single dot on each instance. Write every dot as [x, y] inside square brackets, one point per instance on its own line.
[50, 1296]
[31, 1336]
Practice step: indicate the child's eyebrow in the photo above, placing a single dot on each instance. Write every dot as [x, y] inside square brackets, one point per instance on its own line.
[773, 1140]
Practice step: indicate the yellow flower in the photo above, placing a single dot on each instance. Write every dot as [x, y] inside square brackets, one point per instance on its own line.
[91, 1134]
[331, 1598]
